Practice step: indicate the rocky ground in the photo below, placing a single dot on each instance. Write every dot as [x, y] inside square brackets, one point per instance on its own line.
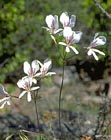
[80, 103]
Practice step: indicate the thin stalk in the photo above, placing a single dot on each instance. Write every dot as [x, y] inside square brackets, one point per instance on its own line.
[60, 93]
[100, 119]
[36, 109]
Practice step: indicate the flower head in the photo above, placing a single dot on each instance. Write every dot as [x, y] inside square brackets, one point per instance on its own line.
[45, 68]
[66, 21]
[71, 37]
[26, 84]
[97, 41]
[52, 23]
[53, 26]
[6, 99]
[31, 70]
[3, 92]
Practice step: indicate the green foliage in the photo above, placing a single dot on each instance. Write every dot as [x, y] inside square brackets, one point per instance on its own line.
[23, 38]
[94, 15]
[9, 137]
[21, 33]
[43, 137]
[23, 136]
[97, 21]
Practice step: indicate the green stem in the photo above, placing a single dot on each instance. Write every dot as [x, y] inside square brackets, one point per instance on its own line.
[60, 94]
[36, 109]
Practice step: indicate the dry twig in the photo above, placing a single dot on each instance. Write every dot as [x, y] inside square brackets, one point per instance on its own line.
[102, 9]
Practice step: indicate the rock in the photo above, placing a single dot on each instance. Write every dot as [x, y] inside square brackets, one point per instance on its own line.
[11, 123]
[69, 76]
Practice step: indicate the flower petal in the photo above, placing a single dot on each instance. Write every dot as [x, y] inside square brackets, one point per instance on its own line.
[67, 32]
[29, 97]
[22, 94]
[97, 41]
[2, 106]
[62, 43]
[34, 80]
[95, 36]
[89, 52]
[2, 90]
[67, 49]
[26, 67]
[40, 63]
[3, 99]
[8, 103]
[56, 25]
[38, 74]
[77, 36]
[46, 28]
[58, 30]
[24, 82]
[98, 51]
[35, 88]
[101, 40]
[72, 21]
[64, 19]
[47, 64]
[35, 65]
[74, 49]
[53, 38]
[20, 83]
[50, 73]
[95, 56]
[49, 20]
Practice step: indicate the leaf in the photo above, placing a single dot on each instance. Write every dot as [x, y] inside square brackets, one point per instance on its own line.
[41, 137]
[9, 137]
[23, 136]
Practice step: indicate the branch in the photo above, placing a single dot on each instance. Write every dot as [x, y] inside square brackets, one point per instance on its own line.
[102, 9]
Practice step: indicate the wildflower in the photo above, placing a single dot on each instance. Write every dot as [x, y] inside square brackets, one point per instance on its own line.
[31, 70]
[52, 23]
[71, 37]
[26, 83]
[97, 41]
[6, 99]
[66, 21]
[45, 67]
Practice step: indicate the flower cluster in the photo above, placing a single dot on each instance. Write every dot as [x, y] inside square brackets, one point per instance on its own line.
[71, 37]
[97, 41]
[35, 70]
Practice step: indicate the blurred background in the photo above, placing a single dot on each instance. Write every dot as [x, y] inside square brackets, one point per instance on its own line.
[23, 38]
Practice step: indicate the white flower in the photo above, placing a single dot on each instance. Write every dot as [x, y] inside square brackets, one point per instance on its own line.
[31, 70]
[66, 21]
[45, 67]
[71, 37]
[97, 41]
[52, 23]
[26, 83]
[2, 91]
[6, 99]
